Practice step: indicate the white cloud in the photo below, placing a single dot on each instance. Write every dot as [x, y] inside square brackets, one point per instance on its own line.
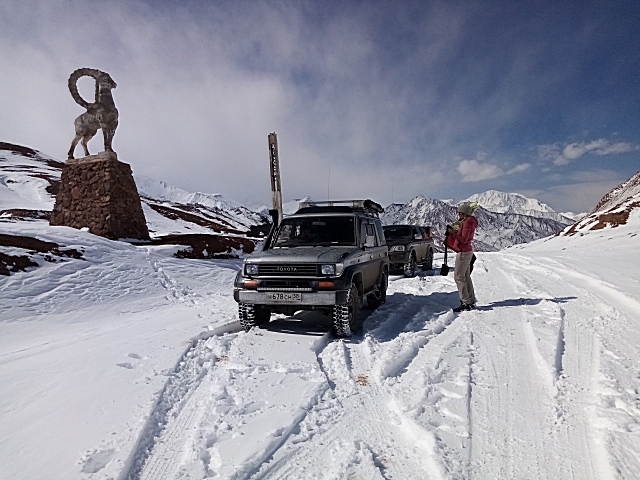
[523, 167]
[562, 155]
[478, 170]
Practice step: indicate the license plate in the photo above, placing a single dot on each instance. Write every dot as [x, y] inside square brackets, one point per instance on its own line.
[284, 297]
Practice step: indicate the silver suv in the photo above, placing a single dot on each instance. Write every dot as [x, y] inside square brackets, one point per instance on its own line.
[328, 256]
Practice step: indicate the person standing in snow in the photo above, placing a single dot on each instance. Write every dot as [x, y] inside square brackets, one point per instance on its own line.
[459, 240]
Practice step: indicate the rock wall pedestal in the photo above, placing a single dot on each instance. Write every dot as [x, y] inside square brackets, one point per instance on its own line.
[98, 192]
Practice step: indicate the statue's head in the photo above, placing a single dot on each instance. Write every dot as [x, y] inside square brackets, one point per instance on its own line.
[105, 81]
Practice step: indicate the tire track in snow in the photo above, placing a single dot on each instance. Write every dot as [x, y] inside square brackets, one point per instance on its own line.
[434, 395]
[594, 349]
[519, 396]
[358, 429]
[162, 439]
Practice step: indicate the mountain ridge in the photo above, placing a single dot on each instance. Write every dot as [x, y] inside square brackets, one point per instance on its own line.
[495, 231]
[29, 180]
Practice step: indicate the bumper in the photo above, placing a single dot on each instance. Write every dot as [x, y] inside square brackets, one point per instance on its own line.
[399, 257]
[307, 299]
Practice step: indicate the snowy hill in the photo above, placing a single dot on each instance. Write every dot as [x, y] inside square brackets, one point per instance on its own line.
[496, 230]
[614, 209]
[193, 212]
[29, 181]
[122, 361]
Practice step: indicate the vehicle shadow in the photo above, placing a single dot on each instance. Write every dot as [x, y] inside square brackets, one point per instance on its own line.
[301, 323]
[401, 313]
[404, 313]
[518, 302]
[313, 324]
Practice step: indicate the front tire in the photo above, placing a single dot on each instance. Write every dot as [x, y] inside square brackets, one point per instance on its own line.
[428, 262]
[345, 317]
[410, 267]
[380, 296]
[252, 315]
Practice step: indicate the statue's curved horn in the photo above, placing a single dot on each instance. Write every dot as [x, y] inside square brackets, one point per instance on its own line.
[73, 84]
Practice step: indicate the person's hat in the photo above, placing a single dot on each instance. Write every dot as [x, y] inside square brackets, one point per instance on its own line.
[465, 208]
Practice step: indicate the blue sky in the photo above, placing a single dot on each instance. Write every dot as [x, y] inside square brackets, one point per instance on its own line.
[385, 100]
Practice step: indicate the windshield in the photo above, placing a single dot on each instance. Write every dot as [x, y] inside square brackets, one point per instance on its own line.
[396, 233]
[310, 231]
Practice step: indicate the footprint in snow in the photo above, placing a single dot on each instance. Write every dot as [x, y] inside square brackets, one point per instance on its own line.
[96, 461]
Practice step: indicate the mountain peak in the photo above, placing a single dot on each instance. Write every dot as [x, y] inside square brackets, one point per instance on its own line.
[504, 219]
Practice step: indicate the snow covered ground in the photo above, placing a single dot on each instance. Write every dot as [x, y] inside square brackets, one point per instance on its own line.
[129, 364]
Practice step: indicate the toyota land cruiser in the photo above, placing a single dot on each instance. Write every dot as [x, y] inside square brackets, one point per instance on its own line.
[328, 257]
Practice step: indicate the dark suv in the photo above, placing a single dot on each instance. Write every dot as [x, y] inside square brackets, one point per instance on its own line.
[328, 256]
[409, 246]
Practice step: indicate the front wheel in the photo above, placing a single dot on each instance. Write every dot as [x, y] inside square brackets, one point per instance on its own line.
[379, 297]
[410, 267]
[252, 315]
[345, 317]
[428, 262]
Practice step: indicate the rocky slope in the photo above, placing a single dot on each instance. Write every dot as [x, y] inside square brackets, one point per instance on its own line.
[614, 208]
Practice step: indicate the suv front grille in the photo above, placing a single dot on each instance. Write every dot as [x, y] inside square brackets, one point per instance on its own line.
[304, 270]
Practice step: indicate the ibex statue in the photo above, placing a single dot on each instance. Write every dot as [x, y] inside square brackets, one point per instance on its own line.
[101, 114]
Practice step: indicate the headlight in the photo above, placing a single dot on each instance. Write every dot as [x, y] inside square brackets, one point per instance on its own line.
[251, 269]
[397, 248]
[328, 269]
[333, 269]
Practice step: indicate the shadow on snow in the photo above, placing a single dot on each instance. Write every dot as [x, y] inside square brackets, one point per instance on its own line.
[518, 302]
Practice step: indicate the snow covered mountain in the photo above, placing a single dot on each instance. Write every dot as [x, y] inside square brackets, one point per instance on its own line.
[29, 181]
[505, 225]
[614, 209]
[204, 212]
[501, 202]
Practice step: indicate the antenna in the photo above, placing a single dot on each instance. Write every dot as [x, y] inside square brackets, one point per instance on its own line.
[392, 180]
[329, 179]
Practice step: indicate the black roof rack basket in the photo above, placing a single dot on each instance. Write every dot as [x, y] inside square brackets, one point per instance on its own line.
[368, 206]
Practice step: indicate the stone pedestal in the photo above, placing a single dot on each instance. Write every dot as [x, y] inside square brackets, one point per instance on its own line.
[98, 192]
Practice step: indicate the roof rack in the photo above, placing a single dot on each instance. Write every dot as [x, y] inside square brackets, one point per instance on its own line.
[368, 206]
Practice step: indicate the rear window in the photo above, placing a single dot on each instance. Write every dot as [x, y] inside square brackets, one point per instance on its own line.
[393, 232]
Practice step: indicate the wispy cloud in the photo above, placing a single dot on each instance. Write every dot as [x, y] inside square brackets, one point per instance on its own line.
[521, 168]
[564, 154]
[480, 169]
[477, 170]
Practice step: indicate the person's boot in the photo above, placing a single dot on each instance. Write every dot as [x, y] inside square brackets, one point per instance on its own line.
[462, 308]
